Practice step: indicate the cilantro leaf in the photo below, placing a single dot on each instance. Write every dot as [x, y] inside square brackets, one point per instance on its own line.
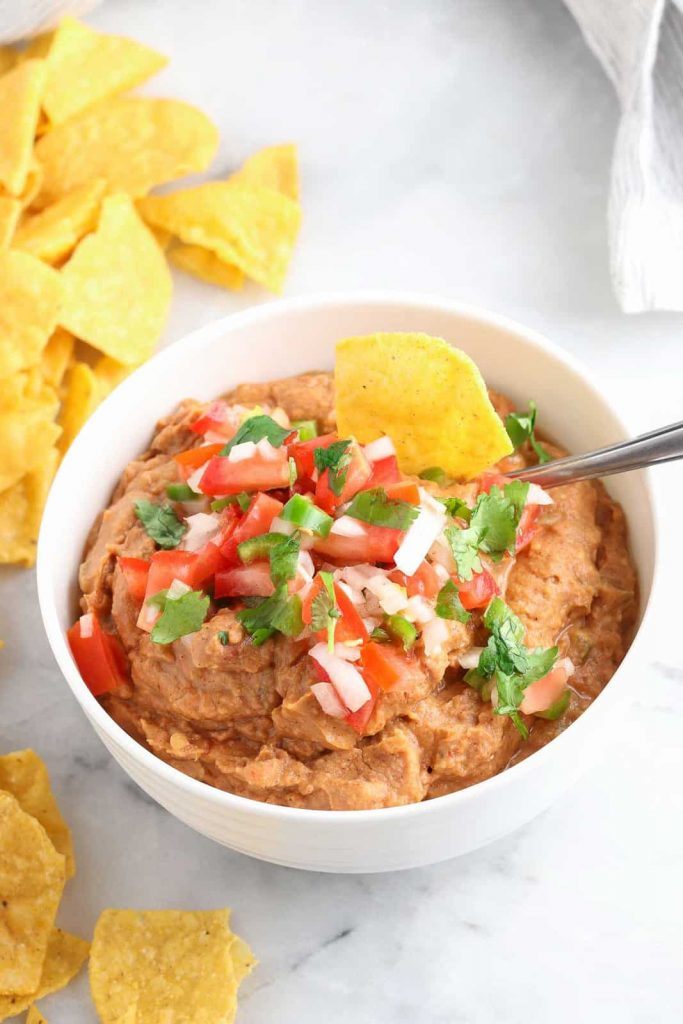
[324, 611]
[457, 508]
[181, 616]
[336, 457]
[507, 661]
[496, 516]
[449, 605]
[464, 545]
[279, 612]
[255, 429]
[377, 508]
[161, 523]
[521, 427]
[283, 559]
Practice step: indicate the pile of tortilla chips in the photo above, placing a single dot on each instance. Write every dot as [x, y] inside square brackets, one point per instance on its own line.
[146, 966]
[36, 859]
[85, 286]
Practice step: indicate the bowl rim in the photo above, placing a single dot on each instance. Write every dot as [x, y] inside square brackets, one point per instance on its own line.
[231, 801]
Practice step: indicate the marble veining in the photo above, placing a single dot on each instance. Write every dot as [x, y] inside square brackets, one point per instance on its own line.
[459, 147]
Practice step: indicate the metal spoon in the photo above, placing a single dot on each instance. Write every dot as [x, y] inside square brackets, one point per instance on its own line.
[663, 445]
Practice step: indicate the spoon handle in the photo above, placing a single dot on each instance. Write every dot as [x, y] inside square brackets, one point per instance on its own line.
[659, 446]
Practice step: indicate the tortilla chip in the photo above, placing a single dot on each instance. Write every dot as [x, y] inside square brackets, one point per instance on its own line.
[169, 964]
[428, 397]
[243, 960]
[275, 167]
[85, 67]
[8, 58]
[30, 299]
[27, 430]
[133, 142]
[21, 509]
[34, 180]
[24, 775]
[31, 883]
[205, 264]
[253, 228]
[163, 237]
[21, 90]
[39, 46]
[109, 373]
[54, 232]
[10, 208]
[57, 356]
[34, 1016]
[66, 954]
[80, 401]
[117, 286]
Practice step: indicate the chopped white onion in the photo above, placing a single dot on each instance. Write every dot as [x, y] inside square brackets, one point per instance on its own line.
[214, 437]
[201, 528]
[435, 633]
[346, 526]
[567, 664]
[537, 496]
[442, 573]
[280, 416]
[304, 567]
[347, 652]
[282, 526]
[470, 659]
[194, 480]
[265, 449]
[420, 536]
[419, 610]
[382, 448]
[353, 595]
[87, 626]
[391, 597]
[177, 589]
[148, 616]
[370, 622]
[347, 680]
[327, 698]
[243, 451]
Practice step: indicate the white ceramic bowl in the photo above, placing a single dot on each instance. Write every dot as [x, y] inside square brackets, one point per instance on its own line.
[285, 338]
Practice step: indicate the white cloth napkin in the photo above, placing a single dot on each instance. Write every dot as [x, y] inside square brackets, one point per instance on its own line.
[640, 46]
[21, 19]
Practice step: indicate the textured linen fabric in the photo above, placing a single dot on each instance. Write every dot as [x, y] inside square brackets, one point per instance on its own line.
[640, 46]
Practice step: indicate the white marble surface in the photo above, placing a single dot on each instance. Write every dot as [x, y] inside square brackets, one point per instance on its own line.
[460, 147]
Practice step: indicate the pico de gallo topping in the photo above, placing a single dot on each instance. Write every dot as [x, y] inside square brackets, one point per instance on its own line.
[325, 541]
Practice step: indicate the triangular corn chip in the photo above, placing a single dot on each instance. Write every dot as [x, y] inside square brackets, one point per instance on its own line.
[205, 264]
[21, 91]
[10, 208]
[275, 167]
[30, 300]
[65, 956]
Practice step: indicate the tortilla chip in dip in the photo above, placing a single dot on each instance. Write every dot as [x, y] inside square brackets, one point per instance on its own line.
[31, 883]
[428, 397]
[85, 67]
[132, 141]
[117, 286]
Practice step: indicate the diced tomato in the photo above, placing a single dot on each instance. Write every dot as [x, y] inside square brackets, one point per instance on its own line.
[99, 657]
[477, 592]
[539, 696]
[528, 527]
[358, 720]
[257, 473]
[135, 571]
[167, 566]
[489, 480]
[245, 581]
[303, 453]
[384, 472]
[349, 626]
[423, 583]
[219, 419]
[193, 458]
[404, 490]
[382, 665]
[257, 520]
[375, 544]
[358, 473]
[209, 562]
